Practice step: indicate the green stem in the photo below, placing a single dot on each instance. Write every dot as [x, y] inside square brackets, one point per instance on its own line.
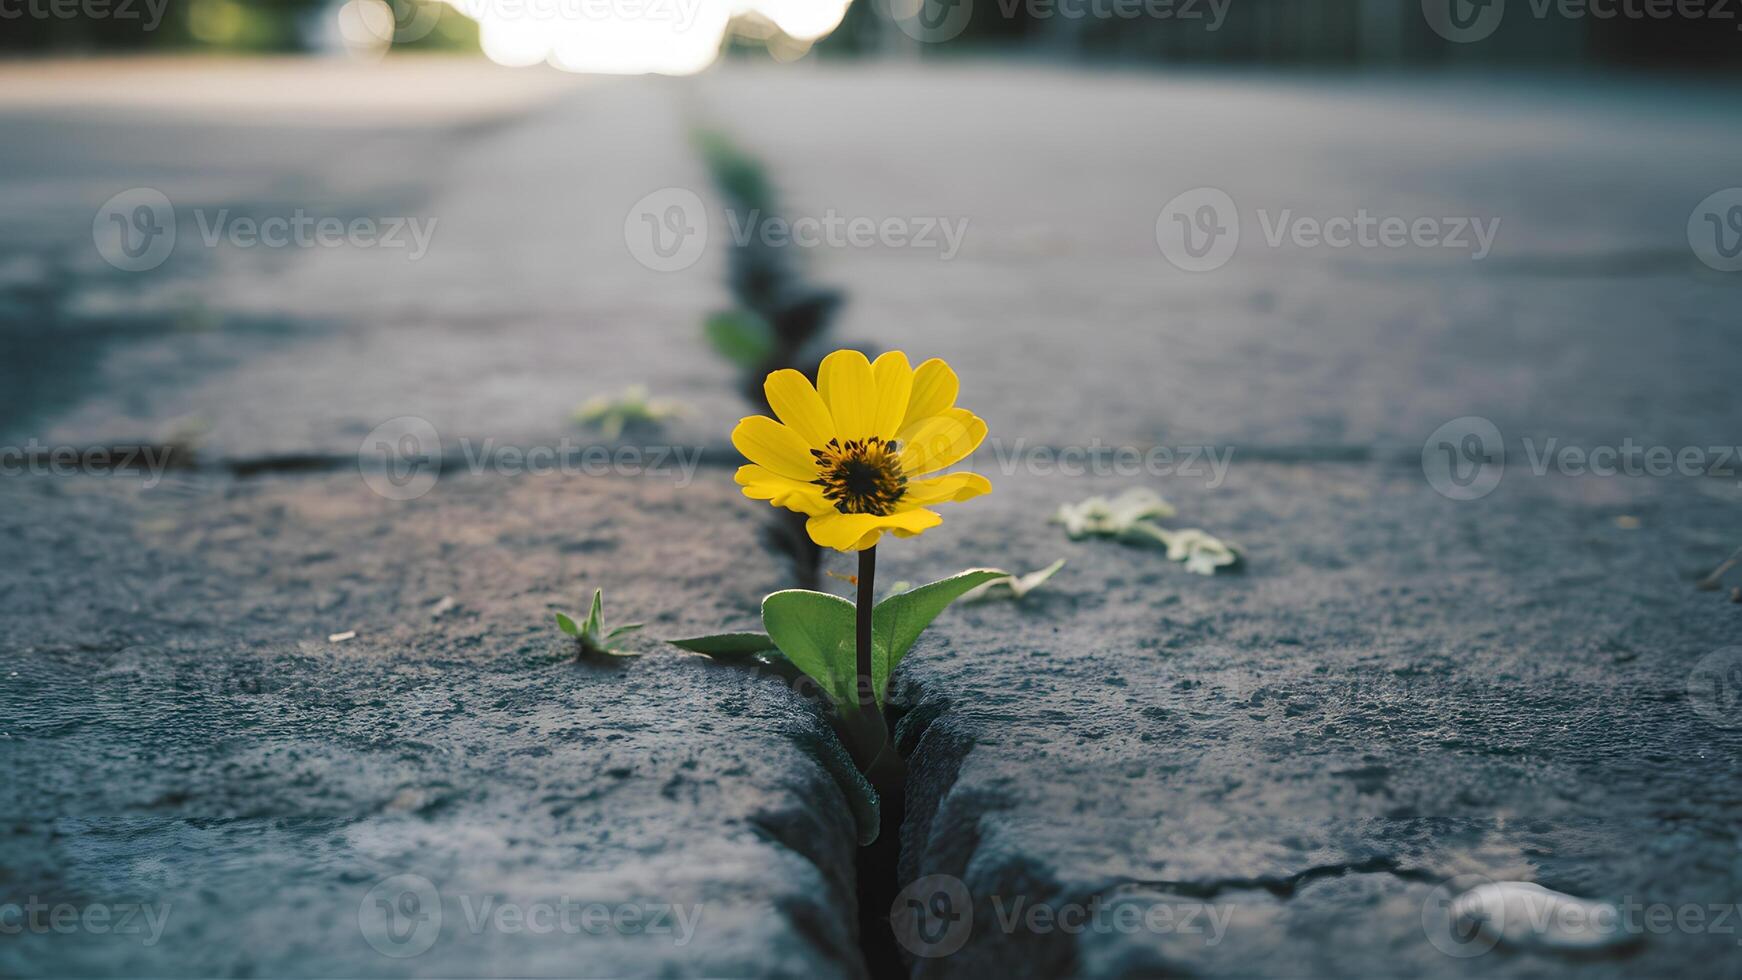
[864, 730]
[867, 695]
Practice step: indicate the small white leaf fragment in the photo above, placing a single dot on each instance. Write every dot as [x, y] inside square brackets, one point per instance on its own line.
[443, 606]
[1526, 915]
[1013, 586]
[1101, 516]
[1130, 517]
[1202, 552]
[341, 637]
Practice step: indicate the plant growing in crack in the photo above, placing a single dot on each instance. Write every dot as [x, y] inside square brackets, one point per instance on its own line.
[591, 636]
[630, 409]
[781, 320]
[857, 456]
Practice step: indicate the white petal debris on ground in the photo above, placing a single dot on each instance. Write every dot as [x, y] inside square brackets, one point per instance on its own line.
[1013, 586]
[1526, 915]
[1130, 517]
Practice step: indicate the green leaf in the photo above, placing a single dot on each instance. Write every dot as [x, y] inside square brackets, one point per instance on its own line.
[625, 628]
[567, 625]
[596, 617]
[741, 337]
[899, 620]
[815, 631]
[726, 646]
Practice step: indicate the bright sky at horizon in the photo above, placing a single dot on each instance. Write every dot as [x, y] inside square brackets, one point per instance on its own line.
[671, 37]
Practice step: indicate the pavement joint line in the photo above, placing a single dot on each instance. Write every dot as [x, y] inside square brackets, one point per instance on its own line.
[1283, 887]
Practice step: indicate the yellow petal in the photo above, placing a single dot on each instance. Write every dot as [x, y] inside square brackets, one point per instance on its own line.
[845, 382]
[943, 489]
[894, 380]
[763, 484]
[937, 442]
[769, 444]
[856, 532]
[799, 406]
[934, 390]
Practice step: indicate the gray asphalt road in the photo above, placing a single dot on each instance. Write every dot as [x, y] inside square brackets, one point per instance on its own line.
[1408, 680]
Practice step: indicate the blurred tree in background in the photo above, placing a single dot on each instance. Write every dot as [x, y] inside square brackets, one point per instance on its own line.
[1246, 32]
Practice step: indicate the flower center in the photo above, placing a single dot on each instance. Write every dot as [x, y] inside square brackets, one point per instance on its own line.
[861, 476]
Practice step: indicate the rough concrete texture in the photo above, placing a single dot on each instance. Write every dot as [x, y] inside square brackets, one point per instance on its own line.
[1396, 689]
[1060, 177]
[180, 731]
[524, 304]
[1400, 688]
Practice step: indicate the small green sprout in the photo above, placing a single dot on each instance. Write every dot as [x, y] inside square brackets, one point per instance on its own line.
[742, 337]
[1014, 586]
[591, 637]
[613, 414]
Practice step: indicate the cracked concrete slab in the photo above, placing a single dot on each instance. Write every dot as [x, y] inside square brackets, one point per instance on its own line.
[1397, 689]
[182, 732]
[525, 300]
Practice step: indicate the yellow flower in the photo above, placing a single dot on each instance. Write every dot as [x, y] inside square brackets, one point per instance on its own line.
[854, 452]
